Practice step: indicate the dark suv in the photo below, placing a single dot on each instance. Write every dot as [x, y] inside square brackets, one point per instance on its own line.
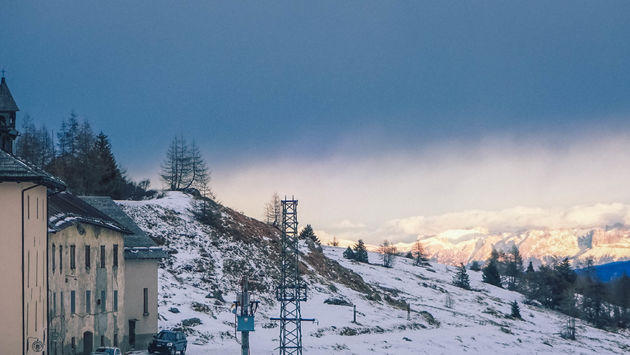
[168, 342]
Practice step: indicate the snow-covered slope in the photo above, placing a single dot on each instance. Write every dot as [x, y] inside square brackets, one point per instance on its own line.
[200, 278]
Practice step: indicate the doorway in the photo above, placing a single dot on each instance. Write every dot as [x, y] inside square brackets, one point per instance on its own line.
[88, 343]
[132, 333]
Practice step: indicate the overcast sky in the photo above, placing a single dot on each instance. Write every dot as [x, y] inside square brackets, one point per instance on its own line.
[367, 112]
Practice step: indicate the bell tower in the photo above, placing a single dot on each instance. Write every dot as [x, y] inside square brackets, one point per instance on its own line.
[8, 108]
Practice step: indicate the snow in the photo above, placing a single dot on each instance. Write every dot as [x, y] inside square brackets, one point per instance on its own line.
[478, 321]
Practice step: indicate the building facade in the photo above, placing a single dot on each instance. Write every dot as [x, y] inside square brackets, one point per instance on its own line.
[142, 257]
[23, 217]
[86, 277]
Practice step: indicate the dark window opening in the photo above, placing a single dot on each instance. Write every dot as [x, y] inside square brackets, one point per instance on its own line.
[72, 257]
[87, 257]
[60, 258]
[103, 295]
[102, 256]
[146, 301]
[115, 255]
[88, 302]
[115, 307]
[53, 257]
[73, 303]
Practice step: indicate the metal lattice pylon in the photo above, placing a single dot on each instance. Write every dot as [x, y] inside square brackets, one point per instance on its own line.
[290, 290]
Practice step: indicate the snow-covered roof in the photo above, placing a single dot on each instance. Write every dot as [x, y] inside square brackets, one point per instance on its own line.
[136, 238]
[65, 209]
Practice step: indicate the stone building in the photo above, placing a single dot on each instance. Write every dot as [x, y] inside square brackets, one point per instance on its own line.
[23, 217]
[142, 257]
[86, 275]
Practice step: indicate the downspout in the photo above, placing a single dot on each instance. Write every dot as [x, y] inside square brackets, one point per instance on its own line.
[23, 322]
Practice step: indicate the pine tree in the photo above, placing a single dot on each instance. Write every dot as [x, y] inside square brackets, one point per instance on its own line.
[108, 179]
[360, 252]
[514, 267]
[409, 255]
[530, 267]
[349, 254]
[516, 310]
[461, 279]
[308, 234]
[491, 274]
[475, 266]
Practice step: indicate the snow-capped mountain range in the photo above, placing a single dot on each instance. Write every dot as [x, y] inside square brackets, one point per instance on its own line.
[206, 261]
[602, 245]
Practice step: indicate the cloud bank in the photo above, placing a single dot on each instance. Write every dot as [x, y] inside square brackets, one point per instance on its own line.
[395, 194]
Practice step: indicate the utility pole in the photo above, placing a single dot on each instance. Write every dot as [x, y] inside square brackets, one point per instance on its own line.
[244, 313]
[245, 320]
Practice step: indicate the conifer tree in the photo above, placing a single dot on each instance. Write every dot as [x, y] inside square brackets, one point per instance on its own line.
[516, 310]
[349, 254]
[530, 267]
[360, 252]
[308, 234]
[514, 267]
[491, 274]
[461, 278]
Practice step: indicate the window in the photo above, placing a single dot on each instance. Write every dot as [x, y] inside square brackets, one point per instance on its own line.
[62, 310]
[54, 307]
[28, 206]
[115, 307]
[72, 257]
[74, 342]
[73, 303]
[53, 258]
[102, 256]
[103, 308]
[102, 340]
[37, 209]
[87, 257]
[28, 270]
[115, 339]
[115, 255]
[60, 258]
[88, 301]
[146, 301]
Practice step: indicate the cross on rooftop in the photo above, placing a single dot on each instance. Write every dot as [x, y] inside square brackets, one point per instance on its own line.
[3, 71]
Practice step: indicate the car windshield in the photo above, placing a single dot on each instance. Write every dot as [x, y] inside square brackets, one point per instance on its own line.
[167, 336]
[105, 350]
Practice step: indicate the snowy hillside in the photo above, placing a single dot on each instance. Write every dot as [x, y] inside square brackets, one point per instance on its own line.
[200, 278]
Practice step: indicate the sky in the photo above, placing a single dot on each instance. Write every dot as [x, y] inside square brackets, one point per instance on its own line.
[369, 113]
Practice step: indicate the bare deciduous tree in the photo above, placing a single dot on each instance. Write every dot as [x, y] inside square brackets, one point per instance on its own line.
[273, 210]
[388, 251]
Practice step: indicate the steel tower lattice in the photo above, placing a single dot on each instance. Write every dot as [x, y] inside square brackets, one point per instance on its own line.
[291, 290]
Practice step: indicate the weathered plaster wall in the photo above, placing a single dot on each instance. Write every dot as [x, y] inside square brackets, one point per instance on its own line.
[32, 283]
[140, 274]
[96, 279]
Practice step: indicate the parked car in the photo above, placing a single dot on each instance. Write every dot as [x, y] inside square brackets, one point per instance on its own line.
[107, 350]
[169, 342]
